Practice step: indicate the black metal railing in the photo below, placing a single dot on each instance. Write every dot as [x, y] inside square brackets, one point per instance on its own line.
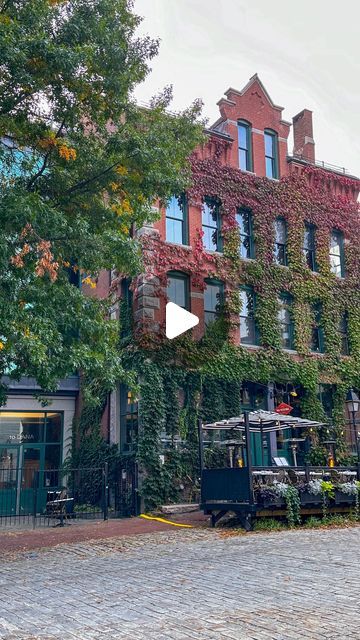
[31, 496]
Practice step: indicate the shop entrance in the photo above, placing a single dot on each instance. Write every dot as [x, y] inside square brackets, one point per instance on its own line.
[30, 457]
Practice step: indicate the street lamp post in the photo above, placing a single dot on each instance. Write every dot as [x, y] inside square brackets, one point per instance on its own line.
[352, 402]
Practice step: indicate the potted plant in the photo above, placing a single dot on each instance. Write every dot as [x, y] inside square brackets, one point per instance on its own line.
[269, 497]
[311, 493]
[345, 493]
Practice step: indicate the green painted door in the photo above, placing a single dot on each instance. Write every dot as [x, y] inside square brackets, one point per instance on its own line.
[9, 480]
[32, 479]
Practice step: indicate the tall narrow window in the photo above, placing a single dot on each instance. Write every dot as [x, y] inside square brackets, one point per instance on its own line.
[271, 154]
[211, 225]
[280, 249]
[309, 246]
[326, 397]
[337, 253]
[317, 333]
[213, 298]
[285, 320]
[248, 331]
[344, 335]
[128, 420]
[126, 308]
[244, 221]
[176, 220]
[244, 135]
[178, 289]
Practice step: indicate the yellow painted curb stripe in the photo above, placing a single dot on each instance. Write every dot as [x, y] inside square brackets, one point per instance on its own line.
[174, 524]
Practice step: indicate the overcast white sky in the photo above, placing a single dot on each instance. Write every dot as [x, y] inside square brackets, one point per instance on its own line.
[306, 53]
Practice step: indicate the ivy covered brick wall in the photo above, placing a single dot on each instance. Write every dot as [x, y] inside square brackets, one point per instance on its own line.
[203, 378]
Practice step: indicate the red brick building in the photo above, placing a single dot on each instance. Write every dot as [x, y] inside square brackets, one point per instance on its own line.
[249, 136]
[271, 237]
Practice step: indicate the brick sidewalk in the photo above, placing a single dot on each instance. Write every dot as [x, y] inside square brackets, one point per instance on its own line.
[12, 541]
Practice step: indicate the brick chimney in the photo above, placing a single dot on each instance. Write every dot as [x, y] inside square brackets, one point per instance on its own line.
[304, 144]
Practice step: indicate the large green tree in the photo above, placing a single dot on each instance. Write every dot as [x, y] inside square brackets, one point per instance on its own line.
[80, 166]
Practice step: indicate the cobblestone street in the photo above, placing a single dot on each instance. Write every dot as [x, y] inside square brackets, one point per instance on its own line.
[186, 584]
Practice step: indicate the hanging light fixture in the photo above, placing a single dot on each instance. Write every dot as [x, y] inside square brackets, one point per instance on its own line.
[293, 392]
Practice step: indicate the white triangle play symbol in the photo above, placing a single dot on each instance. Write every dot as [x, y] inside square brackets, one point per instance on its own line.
[178, 320]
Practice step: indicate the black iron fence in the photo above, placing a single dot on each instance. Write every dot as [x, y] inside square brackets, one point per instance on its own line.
[31, 496]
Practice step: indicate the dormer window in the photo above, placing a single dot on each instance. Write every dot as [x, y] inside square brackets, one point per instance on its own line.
[244, 137]
[271, 154]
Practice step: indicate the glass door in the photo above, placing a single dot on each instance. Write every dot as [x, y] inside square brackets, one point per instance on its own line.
[9, 478]
[32, 464]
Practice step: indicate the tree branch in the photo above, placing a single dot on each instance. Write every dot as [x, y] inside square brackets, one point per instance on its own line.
[44, 164]
[83, 183]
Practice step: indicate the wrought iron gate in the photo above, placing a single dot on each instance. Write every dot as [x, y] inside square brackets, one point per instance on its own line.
[32, 496]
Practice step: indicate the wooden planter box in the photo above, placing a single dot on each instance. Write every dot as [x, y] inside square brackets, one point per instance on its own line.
[310, 498]
[343, 498]
[272, 503]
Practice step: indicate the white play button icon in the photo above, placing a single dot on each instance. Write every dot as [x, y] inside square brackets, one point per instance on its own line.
[178, 320]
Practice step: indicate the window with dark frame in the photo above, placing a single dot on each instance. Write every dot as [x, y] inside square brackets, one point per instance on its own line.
[286, 323]
[271, 154]
[213, 299]
[245, 224]
[211, 226]
[129, 421]
[309, 249]
[178, 289]
[326, 397]
[244, 137]
[127, 300]
[344, 334]
[336, 253]
[176, 220]
[317, 333]
[248, 329]
[280, 246]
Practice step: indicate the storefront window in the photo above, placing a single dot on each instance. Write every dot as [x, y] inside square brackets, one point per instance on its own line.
[8, 467]
[30, 439]
[53, 427]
